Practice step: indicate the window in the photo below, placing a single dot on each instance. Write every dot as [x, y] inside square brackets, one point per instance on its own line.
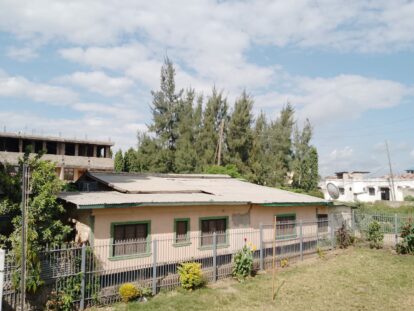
[371, 191]
[182, 230]
[130, 238]
[341, 190]
[212, 225]
[322, 222]
[68, 174]
[285, 226]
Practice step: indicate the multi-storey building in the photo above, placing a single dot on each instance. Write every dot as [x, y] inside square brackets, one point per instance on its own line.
[72, 156]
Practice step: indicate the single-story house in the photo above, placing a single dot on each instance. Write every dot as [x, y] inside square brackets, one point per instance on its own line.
[123, 213]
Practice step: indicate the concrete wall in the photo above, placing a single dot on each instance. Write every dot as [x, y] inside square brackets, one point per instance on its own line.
[243, 223]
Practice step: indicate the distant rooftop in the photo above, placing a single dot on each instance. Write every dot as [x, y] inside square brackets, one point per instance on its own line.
[55, 138]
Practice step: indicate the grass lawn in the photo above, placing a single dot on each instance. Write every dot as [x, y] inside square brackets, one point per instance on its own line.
[354, 279]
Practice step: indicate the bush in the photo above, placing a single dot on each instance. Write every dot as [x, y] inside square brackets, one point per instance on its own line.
[407, 245]
[374, 235]
[128, 292]
[284, 263]
[344, 237]
[243, 263]
[191, 276]
[409, 198]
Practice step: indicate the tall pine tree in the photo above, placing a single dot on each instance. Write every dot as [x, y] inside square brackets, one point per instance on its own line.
[239, 134]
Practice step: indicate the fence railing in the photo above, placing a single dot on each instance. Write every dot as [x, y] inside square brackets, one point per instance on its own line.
[93, 274]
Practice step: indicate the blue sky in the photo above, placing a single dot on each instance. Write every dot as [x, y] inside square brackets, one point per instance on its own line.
[86, 68]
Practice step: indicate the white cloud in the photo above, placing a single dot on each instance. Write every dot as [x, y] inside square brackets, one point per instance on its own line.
[98, 82]
[21, 54]
[20, 87]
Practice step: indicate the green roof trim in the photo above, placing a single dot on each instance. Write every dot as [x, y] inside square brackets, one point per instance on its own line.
[286, 204]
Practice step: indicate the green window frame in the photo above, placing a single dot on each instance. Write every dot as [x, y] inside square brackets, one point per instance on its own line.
[206, 238]
[182, 240]
[286, 226]
[127, 250]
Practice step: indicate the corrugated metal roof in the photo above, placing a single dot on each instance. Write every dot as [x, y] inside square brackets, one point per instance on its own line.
[173, 189]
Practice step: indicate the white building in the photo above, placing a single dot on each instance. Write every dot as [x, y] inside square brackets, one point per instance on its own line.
[356, 186]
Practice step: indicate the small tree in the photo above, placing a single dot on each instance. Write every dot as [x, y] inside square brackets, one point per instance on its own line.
[374, 235]
[119, 164]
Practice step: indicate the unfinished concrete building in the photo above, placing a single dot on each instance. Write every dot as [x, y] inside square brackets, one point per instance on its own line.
[72, 156]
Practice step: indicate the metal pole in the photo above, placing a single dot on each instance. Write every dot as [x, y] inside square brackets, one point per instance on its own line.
[261, 247]
[332, 226]
[391, 173]
[353, 225]
[154, 267]
[396, 229]
[25, 183]
[2, 264]
[83, 271]
[214, 257]
[301, 239]
[274, 257]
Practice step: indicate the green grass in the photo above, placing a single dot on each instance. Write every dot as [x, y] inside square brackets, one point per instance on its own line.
[382, 208]
[354, 279]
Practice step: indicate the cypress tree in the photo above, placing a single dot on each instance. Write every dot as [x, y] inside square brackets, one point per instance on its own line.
[214, 113]
[119, 161]
[165, 108]
[239, 133]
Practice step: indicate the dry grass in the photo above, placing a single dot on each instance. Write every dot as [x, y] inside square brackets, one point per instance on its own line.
[355, 279]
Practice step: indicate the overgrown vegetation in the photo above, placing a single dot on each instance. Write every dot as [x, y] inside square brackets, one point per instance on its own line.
[243, 263]
[407, 245]
[375, 236]
[187, 129]
[46, 219]
[383, 208]
[191, 275]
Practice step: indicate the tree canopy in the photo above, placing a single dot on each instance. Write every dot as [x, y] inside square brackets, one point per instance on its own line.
[189, 132]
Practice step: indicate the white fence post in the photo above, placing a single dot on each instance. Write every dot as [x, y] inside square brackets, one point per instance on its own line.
[2, 264]
[214, 257]
[301, 239]
[83, 276]
[396, 229]
[154, 267]
[261, 247]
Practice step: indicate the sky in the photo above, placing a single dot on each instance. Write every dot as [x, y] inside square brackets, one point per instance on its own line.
[86, 68]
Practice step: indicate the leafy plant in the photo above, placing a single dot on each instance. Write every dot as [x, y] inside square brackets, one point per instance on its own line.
[409, 198]
[284, 263]
[243, 263]
[191, 276]
[320, 253]
[375, 235]
[344, 237]
[407, 245]
[129, 292]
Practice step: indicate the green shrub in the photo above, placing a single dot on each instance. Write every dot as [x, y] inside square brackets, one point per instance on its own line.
[344, 237]
[407, 245]
[374, 235]
[243, 263]
[409, 198]
[191, 276]
[128, 292]
[284, 263]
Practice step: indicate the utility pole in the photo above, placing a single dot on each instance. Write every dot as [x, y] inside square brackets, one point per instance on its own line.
[391, 173]
[25, 197]
[220, 142]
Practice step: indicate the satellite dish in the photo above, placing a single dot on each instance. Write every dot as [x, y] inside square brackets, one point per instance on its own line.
[333, 191]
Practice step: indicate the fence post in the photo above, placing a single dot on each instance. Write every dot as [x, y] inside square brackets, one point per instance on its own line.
[353, 226]
[214, 257]
[83, 271]
[261, 247]
[332, 226]
[396, 229]
[2, 264]
[301, 239]
[154, 266]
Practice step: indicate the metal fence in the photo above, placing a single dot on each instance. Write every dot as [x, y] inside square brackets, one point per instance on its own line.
[93, 274]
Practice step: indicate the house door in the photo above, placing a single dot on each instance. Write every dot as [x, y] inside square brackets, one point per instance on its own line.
[385, 194]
